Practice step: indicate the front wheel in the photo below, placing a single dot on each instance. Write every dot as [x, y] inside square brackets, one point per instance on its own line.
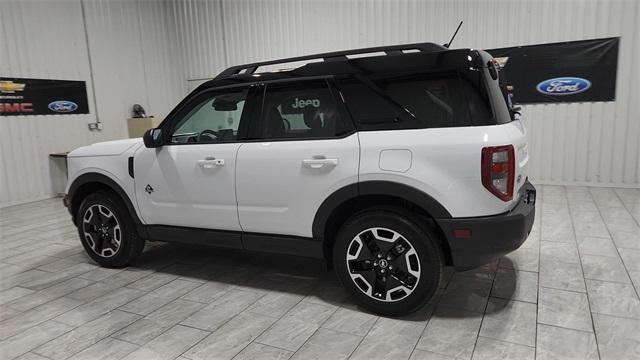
[106, 230]
[389, 264]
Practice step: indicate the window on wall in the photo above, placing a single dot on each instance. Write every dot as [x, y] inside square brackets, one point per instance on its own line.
[213, 119]
[301, 111]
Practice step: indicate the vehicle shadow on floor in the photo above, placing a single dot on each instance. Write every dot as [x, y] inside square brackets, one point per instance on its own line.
[264, 272]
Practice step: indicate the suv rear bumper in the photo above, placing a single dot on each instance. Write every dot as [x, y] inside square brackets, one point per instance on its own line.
[481, 240]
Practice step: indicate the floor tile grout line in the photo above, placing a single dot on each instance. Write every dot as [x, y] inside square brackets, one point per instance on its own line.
[79, 351]
[316, 330]
[616, 247]
[217, 328]
[364, 337]
[484, 313]
[568, 328]
[636, 287]
[248, 311]
[624, 205]
[506, 342]
[535, 342]
[263, 344]
[433, 311]
[584, 280]
[56, 298]
[567, 290]
[118, 339]
[48, 319]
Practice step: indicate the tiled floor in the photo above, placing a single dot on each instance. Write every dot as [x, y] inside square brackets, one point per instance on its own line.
[571, 291]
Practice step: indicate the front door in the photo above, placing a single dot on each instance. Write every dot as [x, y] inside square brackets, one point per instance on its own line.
[190, 180]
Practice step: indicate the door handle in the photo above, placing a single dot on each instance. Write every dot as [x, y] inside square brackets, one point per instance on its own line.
[319, 163]
[210, 163]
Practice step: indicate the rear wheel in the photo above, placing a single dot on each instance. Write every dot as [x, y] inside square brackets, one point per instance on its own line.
[388, 263]
[106, 230]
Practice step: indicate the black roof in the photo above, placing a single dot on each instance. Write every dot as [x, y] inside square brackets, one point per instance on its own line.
[397, 57]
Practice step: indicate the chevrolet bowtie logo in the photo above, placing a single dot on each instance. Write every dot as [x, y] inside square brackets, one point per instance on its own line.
[9, 87]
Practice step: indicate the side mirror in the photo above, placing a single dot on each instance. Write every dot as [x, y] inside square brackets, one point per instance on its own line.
[152, 138]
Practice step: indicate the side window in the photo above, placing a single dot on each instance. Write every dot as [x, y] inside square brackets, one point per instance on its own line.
[406, 102]
[214, 119]
[301, 111]
[434, 101]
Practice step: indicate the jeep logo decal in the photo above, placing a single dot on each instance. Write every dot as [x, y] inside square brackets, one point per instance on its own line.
[301, 104]
[563, 86]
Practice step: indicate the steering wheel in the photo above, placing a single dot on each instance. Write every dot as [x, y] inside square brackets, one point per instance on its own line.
[210, 134]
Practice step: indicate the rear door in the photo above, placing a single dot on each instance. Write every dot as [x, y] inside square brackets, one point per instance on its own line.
[304, 148]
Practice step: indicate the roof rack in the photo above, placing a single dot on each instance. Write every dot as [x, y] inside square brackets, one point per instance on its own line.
[333, 56]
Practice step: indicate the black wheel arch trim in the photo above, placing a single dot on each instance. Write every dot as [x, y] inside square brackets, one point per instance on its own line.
[389, 188]
[109, 183]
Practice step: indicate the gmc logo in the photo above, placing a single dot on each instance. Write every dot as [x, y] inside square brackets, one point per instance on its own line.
[16, 107]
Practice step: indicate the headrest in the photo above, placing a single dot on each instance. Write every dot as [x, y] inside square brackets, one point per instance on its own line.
[312, 118]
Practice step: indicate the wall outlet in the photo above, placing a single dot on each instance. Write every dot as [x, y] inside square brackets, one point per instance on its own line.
[95, 126]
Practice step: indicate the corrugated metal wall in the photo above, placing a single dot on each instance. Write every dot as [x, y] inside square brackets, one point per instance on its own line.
[152, 52]
[590, 143]
[133, 46]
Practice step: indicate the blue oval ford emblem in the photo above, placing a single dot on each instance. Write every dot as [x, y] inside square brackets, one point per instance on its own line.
[63, 106]
[563, 86]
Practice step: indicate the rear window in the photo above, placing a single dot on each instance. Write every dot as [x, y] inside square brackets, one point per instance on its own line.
[418, 101]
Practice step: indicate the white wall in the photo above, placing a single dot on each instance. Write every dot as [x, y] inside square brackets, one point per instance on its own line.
[153, 52]
[132, 46]
[589, 143]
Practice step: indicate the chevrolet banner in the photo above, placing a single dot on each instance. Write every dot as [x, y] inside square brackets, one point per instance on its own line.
[42, 97]
[572, 71]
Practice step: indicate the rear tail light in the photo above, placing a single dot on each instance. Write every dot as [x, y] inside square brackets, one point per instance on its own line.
[498, 170]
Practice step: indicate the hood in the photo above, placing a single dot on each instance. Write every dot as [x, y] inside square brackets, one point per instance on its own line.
[106, 148]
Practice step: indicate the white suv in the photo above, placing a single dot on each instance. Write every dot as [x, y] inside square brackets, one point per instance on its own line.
[388, 167]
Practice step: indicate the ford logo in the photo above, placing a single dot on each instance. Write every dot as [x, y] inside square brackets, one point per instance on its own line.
[63, 106]
[563, 86]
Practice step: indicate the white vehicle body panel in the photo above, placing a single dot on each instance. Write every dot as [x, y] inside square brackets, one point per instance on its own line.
[106, 148]
[445, 163]
[193, 185]
[112, 163]
[281, 184]
[269, 189]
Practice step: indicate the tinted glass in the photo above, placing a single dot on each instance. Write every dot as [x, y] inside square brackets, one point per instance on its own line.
[498, 100]
[214, 119]
[477, 97]
[406, 102]
[301, 111]
[434, 102]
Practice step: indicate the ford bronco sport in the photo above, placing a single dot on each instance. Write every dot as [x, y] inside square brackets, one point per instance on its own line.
[388, 163]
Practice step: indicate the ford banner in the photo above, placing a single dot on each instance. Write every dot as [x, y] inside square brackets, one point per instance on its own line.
[573, 71]
[20, 96]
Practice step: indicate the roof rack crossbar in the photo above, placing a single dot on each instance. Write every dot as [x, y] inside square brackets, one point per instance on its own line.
[332, 56]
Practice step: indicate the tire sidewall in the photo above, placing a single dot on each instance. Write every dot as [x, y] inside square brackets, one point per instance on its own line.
[429, 255]
[128, 237]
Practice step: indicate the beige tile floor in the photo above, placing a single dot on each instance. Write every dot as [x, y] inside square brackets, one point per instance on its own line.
[571, 291]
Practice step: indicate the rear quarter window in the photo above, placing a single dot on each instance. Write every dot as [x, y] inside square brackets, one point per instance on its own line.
[417, 101]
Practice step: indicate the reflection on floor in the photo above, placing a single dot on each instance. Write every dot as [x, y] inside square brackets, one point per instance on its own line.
[570, 291]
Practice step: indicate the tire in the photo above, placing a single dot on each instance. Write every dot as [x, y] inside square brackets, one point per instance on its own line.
[391, 280]
[107, 231]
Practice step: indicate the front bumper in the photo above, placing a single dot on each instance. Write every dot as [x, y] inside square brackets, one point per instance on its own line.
[479, 240]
